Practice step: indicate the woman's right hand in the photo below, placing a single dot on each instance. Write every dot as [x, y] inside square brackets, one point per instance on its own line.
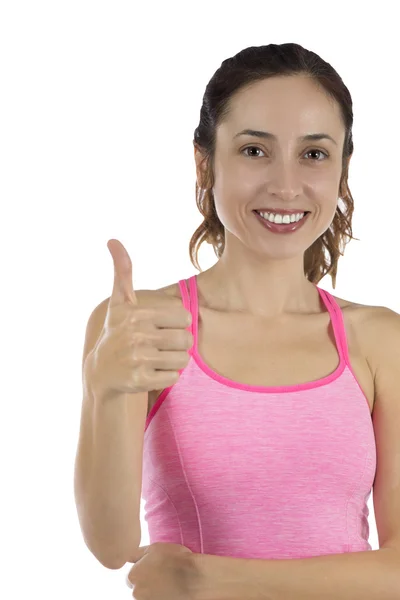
[141, 348]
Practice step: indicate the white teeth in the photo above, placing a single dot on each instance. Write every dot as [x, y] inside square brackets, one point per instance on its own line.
[276, 218]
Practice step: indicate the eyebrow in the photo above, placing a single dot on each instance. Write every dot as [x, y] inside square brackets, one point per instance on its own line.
[271, 136]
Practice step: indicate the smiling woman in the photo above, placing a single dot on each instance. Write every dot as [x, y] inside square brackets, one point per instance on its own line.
[263, 416]
[269, 439]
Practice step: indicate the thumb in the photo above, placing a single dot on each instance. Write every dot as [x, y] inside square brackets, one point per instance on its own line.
[123, 287]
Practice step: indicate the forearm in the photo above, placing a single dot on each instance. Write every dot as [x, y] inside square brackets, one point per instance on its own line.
[108, 472]
[371, 575]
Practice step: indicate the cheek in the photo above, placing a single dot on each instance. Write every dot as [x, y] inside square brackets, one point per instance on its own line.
[236, 190]
[325, 215]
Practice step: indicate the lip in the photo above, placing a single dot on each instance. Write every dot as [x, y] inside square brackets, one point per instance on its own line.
[281, 211]
[282, 228]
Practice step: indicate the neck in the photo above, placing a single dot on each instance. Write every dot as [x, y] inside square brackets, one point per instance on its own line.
[272, 297]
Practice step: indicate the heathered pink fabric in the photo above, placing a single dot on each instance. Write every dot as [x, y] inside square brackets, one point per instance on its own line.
[260, 472]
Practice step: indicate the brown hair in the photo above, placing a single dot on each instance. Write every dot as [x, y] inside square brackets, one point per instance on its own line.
[248, 66]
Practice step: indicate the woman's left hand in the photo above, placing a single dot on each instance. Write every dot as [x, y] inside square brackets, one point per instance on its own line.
[163, 572]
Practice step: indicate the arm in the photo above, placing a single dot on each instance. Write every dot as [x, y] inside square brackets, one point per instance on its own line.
[108, 463]
[371, 575]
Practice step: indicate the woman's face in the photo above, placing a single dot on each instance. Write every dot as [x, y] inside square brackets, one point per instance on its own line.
[253, 172]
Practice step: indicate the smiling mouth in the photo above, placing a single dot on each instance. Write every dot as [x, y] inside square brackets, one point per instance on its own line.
[282, 227]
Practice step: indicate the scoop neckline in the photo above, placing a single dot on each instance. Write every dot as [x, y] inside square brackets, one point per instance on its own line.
[332, 308]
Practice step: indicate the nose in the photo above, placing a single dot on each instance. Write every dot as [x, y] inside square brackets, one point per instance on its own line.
[284, 181]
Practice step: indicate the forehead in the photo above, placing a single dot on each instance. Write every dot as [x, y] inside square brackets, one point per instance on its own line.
[288, 106]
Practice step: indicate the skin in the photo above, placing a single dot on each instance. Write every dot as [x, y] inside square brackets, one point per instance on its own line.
[260, 272]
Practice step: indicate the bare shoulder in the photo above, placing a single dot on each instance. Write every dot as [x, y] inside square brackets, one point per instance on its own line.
[368, 316]
[378, 330]
[382, 326]
[353, 306]
[171, 293]
[363, 313]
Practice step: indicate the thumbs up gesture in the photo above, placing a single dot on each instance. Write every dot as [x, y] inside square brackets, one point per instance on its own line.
[141, 347]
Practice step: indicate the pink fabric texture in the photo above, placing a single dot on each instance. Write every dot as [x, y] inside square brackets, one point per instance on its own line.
[260, 472]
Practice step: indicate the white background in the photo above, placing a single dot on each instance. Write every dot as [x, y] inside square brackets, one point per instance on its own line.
[98, 105]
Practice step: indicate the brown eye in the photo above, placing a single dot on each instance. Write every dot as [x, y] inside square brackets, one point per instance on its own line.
[309, 152]
[319, 151]
[254, 148]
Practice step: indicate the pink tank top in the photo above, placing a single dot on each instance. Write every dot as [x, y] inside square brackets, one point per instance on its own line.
[260, 472]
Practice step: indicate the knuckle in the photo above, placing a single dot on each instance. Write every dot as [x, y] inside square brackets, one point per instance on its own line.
[140, 314]
[137, 355]
[140, 338]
